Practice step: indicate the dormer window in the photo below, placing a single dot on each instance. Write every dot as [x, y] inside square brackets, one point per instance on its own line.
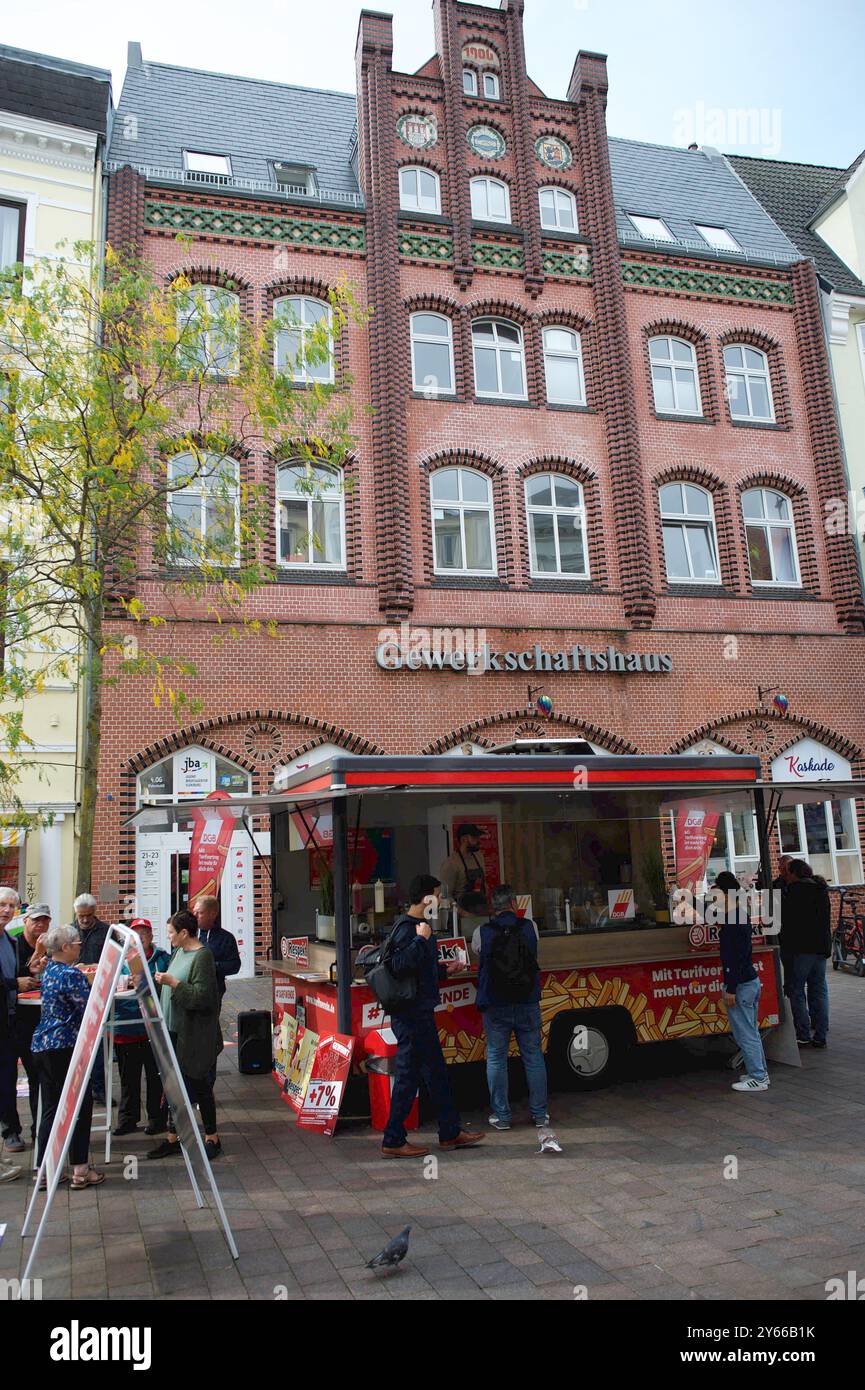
[294, 178]
[651, 228]
[208, 168]
[718, 237]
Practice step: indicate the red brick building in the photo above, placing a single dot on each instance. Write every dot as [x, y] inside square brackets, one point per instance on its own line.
[602, 419]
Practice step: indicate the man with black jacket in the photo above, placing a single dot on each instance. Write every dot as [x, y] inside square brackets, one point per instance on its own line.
[806, 938]
[419, 1054]
[218, 941]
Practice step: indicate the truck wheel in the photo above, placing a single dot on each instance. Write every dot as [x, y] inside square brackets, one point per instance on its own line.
[585, 1053]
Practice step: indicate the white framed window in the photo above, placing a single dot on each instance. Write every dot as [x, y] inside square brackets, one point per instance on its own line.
[563, 366]
[771, 537]
[824, 833]
[499, 359]
[212, 166]
[191, 772]
[12, 219]
[491, 86]
[204, 509]
[310, 516]
[652, 228]
[462, 520]
[735, 847]
[675, 379]
[491, 200]
[470, 82]
[749, 388]
[558, 209]
[688, 522]
[419, 190]
[860, 338]
[432, 354]
[213, 315]
[557, 526]
[718, 237]
[297, 317]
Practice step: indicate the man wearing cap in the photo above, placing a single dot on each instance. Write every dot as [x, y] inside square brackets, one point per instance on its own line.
[134, 1052]
[463, 873]
[31, 960]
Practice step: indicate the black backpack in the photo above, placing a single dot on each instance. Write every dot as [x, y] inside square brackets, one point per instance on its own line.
[513, 968]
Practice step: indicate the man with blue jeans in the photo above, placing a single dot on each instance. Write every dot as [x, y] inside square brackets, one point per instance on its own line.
[419, 1055]
[505, 1012]
[806, 936]
[741, 981]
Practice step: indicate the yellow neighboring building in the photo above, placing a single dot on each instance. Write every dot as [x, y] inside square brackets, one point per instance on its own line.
[54, 122]
[822, 210]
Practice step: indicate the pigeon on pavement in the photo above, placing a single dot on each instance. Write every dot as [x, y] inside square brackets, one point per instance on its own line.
[393, 1252]
[549, 1142]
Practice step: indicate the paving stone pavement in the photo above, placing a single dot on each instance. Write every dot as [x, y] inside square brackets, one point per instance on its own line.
[637, 1207]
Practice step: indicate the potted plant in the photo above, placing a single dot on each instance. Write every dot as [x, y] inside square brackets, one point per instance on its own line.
[655, 879]
[325, 922]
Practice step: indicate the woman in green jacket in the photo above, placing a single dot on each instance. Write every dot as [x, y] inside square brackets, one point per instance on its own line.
[190, 1003]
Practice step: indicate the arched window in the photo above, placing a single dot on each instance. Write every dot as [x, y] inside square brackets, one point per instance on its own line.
[675, 381]
[771, 537]
[432, 354]
[191, 773]
[563, 366]
[208, 317]
[558, 209]
[296, 342]
[491, 201]
[462, 519]
[419, 190]
[749, 389]
[492, 90]
[497, 348]
[203, 509]
[557, 526]
[470, 82]
[690, 548]
[310, 516]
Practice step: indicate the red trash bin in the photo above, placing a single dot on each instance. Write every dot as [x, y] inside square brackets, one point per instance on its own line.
[381, 1048]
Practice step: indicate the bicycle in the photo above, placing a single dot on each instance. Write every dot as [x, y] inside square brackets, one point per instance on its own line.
[848, 939]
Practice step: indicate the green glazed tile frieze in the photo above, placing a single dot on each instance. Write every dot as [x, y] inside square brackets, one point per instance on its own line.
[730, 285]
[253, 226]
[415, 246]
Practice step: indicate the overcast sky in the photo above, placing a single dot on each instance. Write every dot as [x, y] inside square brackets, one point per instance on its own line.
[779, 78]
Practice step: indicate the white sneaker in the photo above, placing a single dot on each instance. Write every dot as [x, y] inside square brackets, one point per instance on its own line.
[750, 1083]
[495, 1123]
[9, 1172]
[542, 1123]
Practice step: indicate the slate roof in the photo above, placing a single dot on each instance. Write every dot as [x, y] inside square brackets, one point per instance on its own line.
[792, 194]
[685, 187]
[252, 121]
[54, 89]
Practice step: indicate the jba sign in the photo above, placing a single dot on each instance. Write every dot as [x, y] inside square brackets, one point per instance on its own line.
[467, 650]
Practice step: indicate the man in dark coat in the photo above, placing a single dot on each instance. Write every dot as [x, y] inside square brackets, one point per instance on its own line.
[806, 939]
[419, 1052]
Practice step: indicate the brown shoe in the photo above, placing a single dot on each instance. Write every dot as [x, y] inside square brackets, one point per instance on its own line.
[406, 1151]
[464, 1140]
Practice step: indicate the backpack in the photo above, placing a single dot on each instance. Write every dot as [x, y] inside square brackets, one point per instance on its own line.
[513, 969]
[393, 994]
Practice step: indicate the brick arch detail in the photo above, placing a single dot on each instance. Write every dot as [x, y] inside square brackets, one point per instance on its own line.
[588, 479]
[502, 531]
[799, 727]
[213, 274]
[725, 527]
[699, 340]
[754, 337]
[478, 730]
[797, 493]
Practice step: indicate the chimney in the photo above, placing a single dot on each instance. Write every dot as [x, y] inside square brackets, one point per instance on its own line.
[133, 55]
[589, 74]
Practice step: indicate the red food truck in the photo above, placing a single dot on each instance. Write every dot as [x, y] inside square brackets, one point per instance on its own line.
[591, 844]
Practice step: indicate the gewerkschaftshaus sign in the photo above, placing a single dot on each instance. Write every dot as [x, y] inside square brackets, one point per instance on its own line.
[392, 656]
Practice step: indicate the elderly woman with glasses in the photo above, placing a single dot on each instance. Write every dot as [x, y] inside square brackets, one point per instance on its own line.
[64, 999]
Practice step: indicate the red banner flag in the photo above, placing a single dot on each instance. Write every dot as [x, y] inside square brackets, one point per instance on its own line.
[211, 838]
[695, 835]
